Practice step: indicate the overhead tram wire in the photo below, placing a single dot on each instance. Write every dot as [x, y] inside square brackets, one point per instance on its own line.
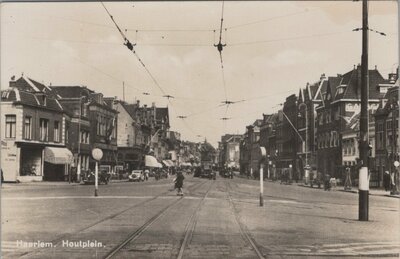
[130, 46]
[220, 47]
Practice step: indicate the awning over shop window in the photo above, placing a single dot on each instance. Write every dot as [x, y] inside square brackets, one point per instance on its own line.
[58, 155]
[171, 163]
[168, 163]
[151, 161]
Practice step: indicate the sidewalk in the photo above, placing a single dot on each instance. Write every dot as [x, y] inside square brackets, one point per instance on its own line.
[374, 192]
[50, 183]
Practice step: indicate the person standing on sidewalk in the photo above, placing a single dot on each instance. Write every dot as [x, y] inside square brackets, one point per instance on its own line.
[386, 181]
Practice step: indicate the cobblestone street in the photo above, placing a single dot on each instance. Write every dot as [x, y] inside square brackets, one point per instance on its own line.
[212, 220]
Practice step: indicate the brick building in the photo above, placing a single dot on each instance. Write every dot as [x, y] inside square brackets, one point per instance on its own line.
[387, 131]
[95, 120]
[340, 103]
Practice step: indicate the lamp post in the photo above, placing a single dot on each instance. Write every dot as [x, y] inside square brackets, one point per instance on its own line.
[263, 154]
[97, 154]
[306, 168]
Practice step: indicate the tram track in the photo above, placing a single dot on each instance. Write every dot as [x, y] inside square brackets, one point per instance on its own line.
[191, 225]
[138, 232]
[59, 239]
[245, 233]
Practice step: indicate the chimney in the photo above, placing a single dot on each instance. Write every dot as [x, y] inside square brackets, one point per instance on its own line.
[323, 76]
[138, 103]
[392, 77]
[153, 104]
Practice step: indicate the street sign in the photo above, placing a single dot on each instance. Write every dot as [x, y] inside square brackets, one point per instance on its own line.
[97, 154]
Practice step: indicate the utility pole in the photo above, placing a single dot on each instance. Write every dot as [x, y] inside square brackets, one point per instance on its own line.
[123, 91]
[363, 185]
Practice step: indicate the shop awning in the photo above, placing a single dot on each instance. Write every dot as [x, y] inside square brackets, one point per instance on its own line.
[171, 163]
[58, 155]
[166, 163]
[151, 161]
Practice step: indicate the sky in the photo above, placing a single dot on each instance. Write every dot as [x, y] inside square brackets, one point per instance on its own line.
[273, 49]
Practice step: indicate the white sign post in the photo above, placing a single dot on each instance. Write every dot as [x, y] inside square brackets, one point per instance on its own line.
[97, 154]
[263, 153]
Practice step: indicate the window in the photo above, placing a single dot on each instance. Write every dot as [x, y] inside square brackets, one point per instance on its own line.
[84, 137]
[389, 125]
[28, 127]
[56, 131]
[44, 129]
[11, 121]
[66, 135]
[379, 138]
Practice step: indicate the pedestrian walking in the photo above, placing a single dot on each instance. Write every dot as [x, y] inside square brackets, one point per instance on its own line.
[179, 183]
[347, 181]
[386, 181]
[327, 183]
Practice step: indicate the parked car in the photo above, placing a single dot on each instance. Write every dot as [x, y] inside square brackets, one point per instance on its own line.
[104, 177]
[136, 176]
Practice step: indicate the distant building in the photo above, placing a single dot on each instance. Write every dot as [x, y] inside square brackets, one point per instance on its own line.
[130, 138]
[268, 141]
[229, 151]
[309, 99]
[287, 139]
[249, 151]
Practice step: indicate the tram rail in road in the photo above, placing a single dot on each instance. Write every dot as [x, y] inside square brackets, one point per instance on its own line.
[243, 229]
[137, 233]
[190, 226]
[57, 241]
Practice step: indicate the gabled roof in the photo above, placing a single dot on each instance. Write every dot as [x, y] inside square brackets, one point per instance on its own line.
[131, 109]
[257, 123]
[313, 89]
[392, 97]
[27, 84]
[72, 91]
[31, 99]
[352, 82]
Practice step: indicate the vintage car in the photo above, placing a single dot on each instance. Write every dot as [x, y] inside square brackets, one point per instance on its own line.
[89, 177]
[136, 176]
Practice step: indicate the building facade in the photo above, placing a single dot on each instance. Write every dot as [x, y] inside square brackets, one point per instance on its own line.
[33, 134]
[339, 107]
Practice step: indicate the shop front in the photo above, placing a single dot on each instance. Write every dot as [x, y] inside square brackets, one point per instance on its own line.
[57, 161]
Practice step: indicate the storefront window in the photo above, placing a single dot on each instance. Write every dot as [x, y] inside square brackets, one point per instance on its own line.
[10, 126]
